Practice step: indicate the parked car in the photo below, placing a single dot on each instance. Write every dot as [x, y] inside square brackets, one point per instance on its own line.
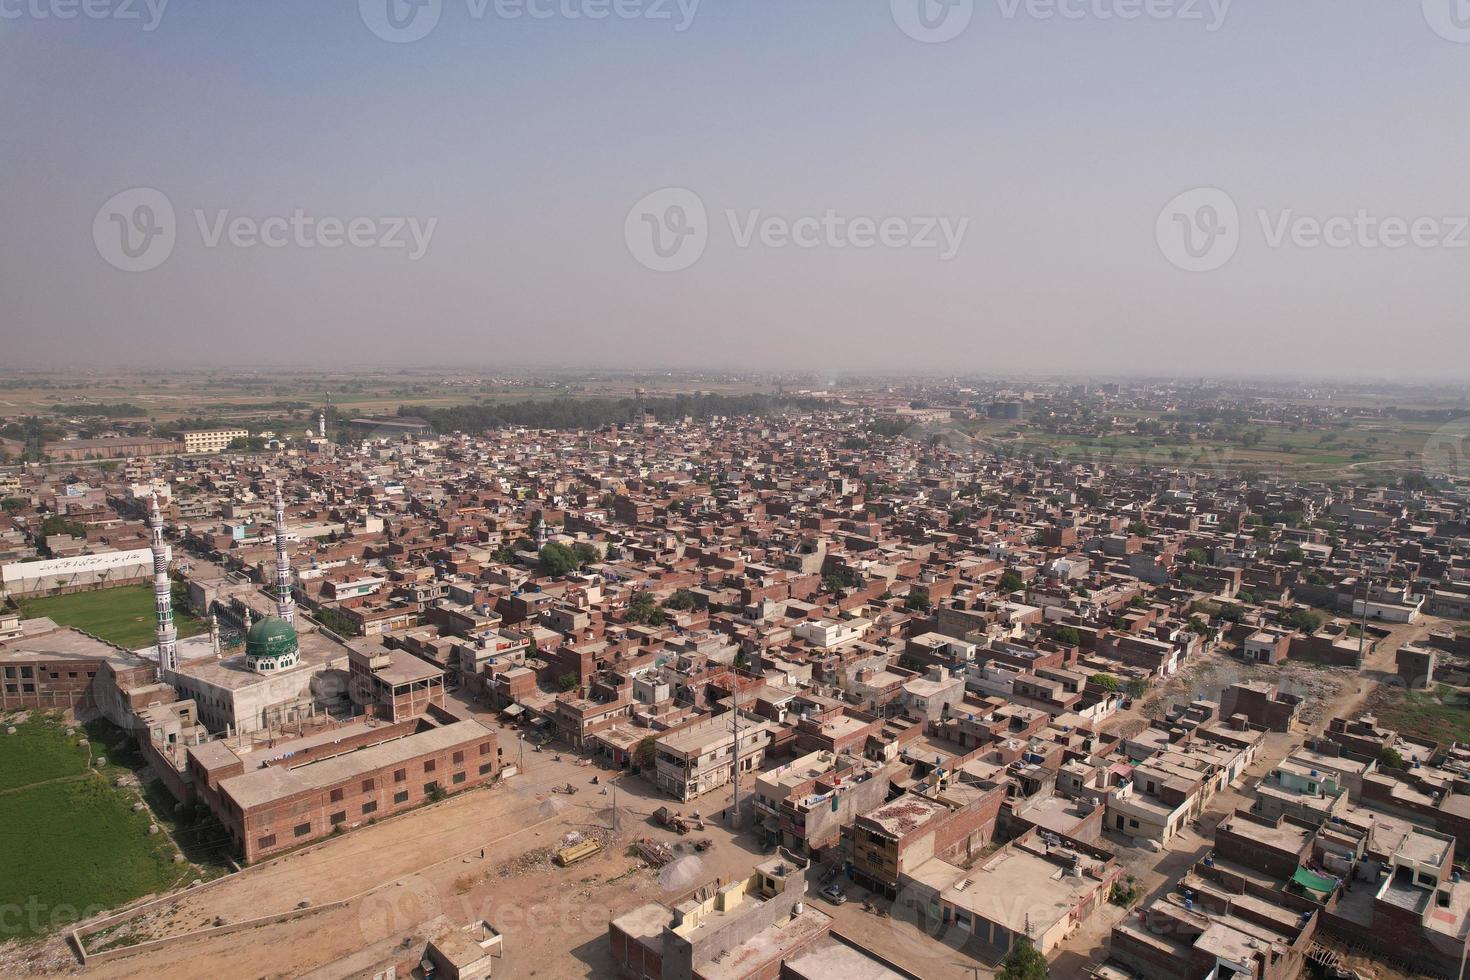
[834, 894]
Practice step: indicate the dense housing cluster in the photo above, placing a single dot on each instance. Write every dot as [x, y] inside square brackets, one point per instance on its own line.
[940, 673]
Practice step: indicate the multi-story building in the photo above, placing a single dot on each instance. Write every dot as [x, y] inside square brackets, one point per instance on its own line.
[804, 804]
[393, 684]
[701, 757]
[211, 440]
[301, 790]
[958, 820]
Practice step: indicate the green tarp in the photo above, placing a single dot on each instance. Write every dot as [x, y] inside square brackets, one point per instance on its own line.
[1313, 882]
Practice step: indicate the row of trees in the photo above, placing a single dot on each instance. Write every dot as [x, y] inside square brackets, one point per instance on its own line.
[594, 413]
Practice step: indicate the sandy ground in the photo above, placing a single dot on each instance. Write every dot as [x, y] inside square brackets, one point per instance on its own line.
[407, 871]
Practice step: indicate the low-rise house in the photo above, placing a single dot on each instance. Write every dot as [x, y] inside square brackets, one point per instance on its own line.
[741, 929]
[1040, 886]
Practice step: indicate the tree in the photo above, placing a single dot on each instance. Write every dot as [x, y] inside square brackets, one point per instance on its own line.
[1197, 556]
[1137, 687]
[336, 621]
[56, 524]
[566, 682]
[1011, 581]
[682, 600]
[585, 553]
[558, 559]
[1304, 619]
[1023, 962]
[1106, 681]
[917, 600]
[646, 752]
[1067, 636]
[643, 608]
[1391, 757]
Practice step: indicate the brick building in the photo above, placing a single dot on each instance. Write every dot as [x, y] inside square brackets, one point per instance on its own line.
[274, 799]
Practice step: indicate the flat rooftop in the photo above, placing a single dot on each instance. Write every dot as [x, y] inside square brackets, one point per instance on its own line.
[905, 814]
[1330, 763]
[1054, 813]
[766, 947]
[1422, 847]
[798, 771]
[1285, 837]
[1017, 888]
[842, 725]
[260, 786]
[42, 639]
[832, 959]
[405, 668]
[232, 673]
[711, 732]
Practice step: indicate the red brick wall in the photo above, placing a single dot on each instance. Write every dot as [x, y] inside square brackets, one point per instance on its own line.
[281, 817]
[633, 959]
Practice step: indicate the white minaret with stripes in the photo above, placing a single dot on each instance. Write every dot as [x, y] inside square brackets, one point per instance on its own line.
[167, 636]
[285, 605]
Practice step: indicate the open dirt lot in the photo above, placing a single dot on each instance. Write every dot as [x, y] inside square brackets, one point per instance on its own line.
[405, 872]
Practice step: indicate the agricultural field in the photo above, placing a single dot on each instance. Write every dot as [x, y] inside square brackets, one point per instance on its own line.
[1357, 450]
[297, 397]
[74, 845]
[123, 615]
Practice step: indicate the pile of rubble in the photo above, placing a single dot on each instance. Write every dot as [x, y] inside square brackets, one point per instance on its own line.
[527, 862]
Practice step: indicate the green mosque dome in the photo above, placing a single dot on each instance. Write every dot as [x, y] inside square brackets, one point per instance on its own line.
[271, 644]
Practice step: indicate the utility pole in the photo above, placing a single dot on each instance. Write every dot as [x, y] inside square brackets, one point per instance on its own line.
[1363, 621]
[735, 725]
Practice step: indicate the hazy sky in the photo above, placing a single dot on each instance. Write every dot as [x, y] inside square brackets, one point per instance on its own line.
[1038, 155]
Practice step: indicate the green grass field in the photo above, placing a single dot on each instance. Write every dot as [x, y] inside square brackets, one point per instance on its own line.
[39, 751]
[123, 615]
[73, 847]
[1441, 715]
